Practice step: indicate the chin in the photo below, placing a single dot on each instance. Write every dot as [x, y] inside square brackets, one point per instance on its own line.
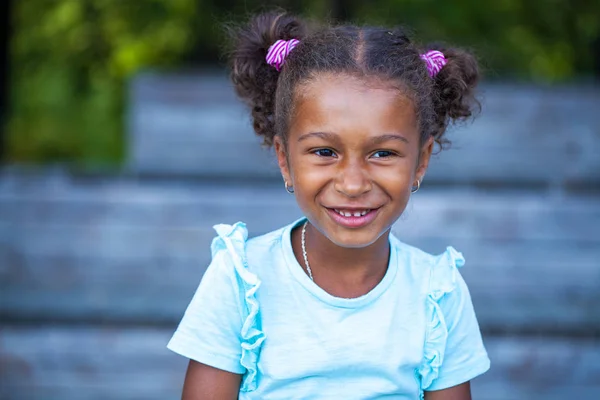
[354, 239]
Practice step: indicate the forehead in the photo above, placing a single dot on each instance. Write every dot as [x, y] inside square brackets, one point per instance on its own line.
[348, 103]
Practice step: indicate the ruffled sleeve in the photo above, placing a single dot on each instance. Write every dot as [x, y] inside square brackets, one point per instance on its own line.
[222, 326]
[453, 351]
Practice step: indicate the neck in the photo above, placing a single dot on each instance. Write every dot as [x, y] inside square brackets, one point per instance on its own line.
[340, 269]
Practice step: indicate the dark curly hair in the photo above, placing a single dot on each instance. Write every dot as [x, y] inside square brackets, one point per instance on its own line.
[364, 51]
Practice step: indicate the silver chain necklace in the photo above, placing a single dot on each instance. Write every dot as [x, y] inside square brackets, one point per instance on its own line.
[304, 251]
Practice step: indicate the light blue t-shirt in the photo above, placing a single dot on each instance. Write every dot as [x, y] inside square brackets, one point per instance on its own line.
[257, 313]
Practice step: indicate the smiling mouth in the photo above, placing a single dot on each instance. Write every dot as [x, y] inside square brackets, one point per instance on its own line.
[352, 213]
[354, 217]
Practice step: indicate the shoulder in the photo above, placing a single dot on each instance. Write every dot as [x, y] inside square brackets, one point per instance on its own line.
[251, 255]
[267, 244]
[453, 351]
[438, 273]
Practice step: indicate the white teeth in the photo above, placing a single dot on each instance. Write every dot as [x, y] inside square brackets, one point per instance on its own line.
[351, 214]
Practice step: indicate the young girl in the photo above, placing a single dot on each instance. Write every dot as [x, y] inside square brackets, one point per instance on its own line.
[333, 306]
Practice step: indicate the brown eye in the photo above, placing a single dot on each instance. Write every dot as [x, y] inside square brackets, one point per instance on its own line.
[383, 154]
[324, 153]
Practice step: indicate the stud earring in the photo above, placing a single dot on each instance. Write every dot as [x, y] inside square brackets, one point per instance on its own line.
[289, 189]
[416, 189]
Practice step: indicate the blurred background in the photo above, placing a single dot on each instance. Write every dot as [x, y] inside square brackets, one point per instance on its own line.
[122, 144]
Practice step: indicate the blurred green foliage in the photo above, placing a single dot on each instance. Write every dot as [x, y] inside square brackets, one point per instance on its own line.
[71, 59]
[70, 63]
[538, 40]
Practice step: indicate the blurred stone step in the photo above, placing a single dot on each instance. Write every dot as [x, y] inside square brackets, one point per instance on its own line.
[515, 286]
[91, 363]
[127, 251]
[194, 125]
[61, 200]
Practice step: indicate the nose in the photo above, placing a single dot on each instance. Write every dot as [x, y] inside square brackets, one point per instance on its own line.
[353, 179]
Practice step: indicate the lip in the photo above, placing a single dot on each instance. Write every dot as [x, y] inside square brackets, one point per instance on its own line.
[353, 222]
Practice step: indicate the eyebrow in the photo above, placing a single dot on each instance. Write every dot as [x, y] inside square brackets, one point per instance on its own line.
[332, 137]
[388, 137]
[322, 135]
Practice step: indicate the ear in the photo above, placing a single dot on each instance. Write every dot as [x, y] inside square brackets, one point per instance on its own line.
[424, 157]
[282, 160]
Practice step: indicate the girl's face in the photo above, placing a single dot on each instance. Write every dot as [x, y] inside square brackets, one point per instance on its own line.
[352, 156]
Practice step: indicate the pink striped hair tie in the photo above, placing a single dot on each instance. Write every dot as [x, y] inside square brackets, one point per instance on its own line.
[279, 51]
[435, 61]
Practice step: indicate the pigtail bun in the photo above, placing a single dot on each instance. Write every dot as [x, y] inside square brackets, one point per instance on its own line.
[254, 80]
[454, 90]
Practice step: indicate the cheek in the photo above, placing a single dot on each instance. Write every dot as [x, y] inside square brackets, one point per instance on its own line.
[298, 167]
[310, 179]
[396, 180]
[397, 184]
